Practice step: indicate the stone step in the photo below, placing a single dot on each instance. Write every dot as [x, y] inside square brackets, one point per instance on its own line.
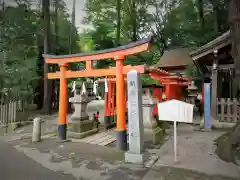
[94, 137]
[100, 140]
[108, 141]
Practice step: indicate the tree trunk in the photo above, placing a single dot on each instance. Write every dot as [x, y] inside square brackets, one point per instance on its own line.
[56, 6]
[201, 15]
[47, 105]
[56, 28]
[118, 22]
[215, 4]
[72, 26]
[1, 51]
[39, 91]
[134, 21]
[229, 144]
[234, 17]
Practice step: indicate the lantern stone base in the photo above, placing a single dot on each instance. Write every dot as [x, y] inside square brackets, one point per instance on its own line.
[154, 135]
[81, 129]
[152, 132]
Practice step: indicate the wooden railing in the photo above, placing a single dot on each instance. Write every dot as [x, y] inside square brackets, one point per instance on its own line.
[9, 108]
[228, 110]
[8, 112]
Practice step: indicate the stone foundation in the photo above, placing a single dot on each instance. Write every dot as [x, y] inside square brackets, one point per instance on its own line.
[152, 132]
[154, 135]
[81, 129]
[217, 124]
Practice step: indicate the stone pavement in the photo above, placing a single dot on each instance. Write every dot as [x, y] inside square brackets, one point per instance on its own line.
[84, 161]
[195, 151]
[16, 166]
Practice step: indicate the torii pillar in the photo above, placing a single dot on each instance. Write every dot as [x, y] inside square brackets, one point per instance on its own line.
[120, 105]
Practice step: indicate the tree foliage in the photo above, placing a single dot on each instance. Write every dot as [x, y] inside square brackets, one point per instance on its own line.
[173, 23]
[21, 39]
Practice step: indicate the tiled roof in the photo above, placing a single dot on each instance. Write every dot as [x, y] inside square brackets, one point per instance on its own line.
[219, 42]
[174, 58]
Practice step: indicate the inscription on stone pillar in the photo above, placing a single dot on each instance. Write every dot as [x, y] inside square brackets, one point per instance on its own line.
[135, 119]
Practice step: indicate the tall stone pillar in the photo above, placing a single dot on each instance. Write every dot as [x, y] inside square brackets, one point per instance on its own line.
[135, 120]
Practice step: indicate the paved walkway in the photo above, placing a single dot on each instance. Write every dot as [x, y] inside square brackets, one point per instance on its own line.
[195, 151]
[92, 162]
[84, 161]
[16, 166]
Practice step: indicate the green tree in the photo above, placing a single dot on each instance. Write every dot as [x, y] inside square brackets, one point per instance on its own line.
[18, 50]
[21, 46]
[174, 23]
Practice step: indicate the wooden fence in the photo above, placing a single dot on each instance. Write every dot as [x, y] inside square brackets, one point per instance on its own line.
[8, 112]
[10, 108]
[228, 110]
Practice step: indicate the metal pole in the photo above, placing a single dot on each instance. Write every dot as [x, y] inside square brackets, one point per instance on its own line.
[175, 141]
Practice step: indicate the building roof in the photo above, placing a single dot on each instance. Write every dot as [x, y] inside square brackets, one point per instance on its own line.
[174, 58]
[215, 44]
[204, 56]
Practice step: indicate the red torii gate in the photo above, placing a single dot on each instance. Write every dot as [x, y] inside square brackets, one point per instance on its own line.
[118, 54]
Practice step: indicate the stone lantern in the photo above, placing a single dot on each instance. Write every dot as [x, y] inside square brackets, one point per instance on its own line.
[81, 125]
[192, 92]
[152, 132]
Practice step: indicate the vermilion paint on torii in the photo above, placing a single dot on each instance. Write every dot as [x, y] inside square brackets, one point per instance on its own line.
[172, 85]
[118, 54]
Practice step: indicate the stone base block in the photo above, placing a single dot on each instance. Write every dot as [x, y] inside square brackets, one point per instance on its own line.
[155, 135]
[215, 124]
[136, 158]
[76, 118]
[82, 126]
[82, 135]
[81, 129]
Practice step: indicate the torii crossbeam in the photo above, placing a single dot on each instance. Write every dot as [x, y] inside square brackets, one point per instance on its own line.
[118, 54]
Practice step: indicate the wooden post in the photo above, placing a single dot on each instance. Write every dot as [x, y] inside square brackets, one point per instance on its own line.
[107, 116]
[62, 123]
[214, 90]
[167, 92]
[109, 100]
[120, 102]
[113, 100]
[157, 93]
[106, 102]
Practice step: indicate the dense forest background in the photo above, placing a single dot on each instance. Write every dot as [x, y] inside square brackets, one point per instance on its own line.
[29, 31]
